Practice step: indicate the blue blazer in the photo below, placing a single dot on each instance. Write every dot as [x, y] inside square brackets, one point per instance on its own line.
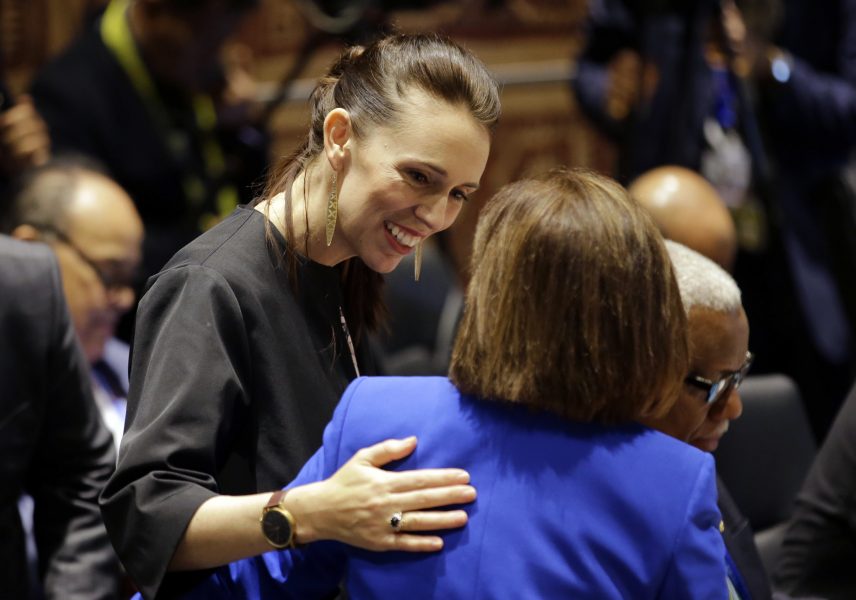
[564, 509]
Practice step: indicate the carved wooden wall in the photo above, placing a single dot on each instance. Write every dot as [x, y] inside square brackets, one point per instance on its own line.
[530, 44]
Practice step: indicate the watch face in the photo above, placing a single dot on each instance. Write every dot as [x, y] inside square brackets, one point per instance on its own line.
[276, 527]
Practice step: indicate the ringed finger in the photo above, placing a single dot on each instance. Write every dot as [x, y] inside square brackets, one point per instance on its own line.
[432, 520]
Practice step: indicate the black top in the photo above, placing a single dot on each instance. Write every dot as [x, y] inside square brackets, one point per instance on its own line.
[53, 444]
[233, 378]
[818, 556]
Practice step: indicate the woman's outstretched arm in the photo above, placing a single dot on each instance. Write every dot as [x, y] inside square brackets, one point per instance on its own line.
[352, 506]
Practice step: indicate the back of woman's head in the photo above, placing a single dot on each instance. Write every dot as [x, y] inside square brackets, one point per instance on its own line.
[572, 306]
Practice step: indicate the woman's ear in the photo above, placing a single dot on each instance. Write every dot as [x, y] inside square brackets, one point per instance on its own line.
[338, 130]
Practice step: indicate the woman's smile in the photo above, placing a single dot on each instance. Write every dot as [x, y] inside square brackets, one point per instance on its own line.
[403, 240]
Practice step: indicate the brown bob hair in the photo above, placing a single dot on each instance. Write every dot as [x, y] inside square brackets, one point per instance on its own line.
[572, 307]
[371, 83]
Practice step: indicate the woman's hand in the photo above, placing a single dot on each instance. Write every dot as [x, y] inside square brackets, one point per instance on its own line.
[356, 503]
[353, 506]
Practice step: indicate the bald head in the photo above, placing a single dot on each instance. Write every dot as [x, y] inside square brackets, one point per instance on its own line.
[101, 212]
[96, 234]
[688, 209]
[75, 201]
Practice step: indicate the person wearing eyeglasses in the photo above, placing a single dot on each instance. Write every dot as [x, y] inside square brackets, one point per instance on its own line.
[719, 351]
[718, 333]
[94, 229]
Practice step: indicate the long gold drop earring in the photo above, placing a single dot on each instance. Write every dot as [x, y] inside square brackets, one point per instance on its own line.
[417, 262]
[332, 208]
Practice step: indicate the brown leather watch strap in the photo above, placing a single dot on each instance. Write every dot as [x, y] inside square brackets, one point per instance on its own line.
[276, 498]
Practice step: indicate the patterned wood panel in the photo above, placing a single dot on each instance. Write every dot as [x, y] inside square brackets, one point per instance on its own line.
[31, 31]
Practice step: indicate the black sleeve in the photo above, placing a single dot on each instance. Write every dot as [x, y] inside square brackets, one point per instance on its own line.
[189, 395]
[72, 461]
[818, 104]
[819, 549]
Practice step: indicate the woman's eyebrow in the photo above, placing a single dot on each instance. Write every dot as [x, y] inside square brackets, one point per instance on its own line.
[441, 171]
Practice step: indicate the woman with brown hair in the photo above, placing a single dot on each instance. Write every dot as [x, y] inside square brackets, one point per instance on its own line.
[572, 337]
[247, 338]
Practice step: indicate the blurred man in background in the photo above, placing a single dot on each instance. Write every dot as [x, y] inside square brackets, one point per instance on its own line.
[147, 92]
[688, 210]
[672, 83]
[94, 230]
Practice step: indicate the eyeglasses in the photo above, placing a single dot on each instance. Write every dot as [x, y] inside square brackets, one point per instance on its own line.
[719, 389]
[110, 281]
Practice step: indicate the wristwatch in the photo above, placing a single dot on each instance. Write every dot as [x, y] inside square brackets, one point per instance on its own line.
[277, 523]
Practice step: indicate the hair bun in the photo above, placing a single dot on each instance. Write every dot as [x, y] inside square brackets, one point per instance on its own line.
[346, 59]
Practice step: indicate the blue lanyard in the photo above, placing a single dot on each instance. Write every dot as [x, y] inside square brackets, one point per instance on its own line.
[725, 98]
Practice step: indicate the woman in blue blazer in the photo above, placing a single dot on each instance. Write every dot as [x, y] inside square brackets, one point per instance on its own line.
[573, 337]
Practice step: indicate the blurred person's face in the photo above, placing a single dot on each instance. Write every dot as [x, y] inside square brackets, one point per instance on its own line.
[183, 47]
[403, 183]
[99, 254]
[719, 343]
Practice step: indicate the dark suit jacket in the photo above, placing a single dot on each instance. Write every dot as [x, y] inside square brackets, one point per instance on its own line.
[819, 552]
[53, 444]
[812, 133]
[740, 542]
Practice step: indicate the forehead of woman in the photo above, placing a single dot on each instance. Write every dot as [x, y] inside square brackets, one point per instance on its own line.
[434, 131]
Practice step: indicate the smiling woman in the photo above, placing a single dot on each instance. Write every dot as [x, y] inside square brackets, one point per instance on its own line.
[400, 131]
[400, 182]
[248, 336]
